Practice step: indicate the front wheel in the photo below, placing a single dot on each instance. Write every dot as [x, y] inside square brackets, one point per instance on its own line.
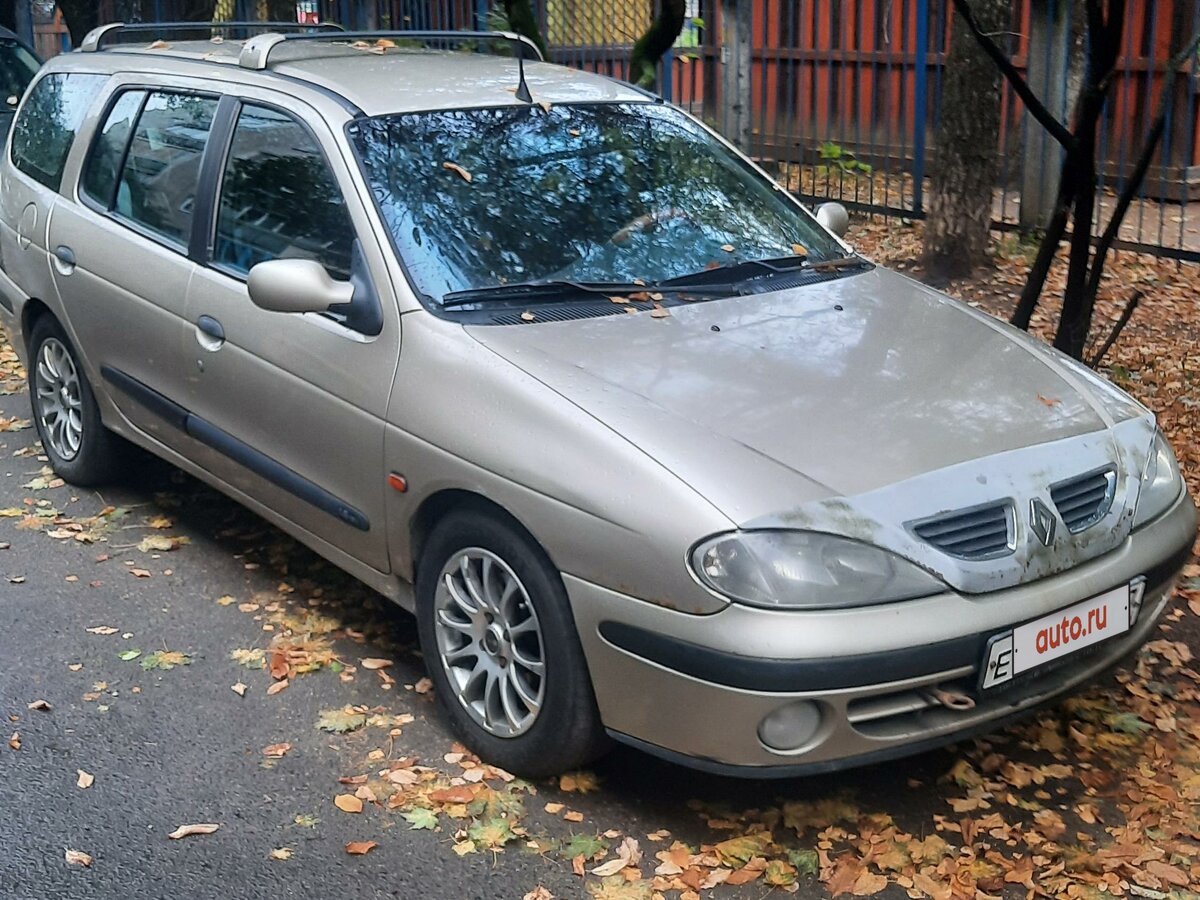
[80, 449]
[501, 648]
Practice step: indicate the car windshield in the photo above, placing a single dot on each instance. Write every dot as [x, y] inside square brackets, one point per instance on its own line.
[610, 193]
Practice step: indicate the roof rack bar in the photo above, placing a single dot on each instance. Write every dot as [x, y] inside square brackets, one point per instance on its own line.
[97, 37]
[256, 52]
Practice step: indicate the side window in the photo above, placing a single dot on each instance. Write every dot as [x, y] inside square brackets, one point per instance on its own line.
[157, 187]
[100, 172]
[52, 114]
[279, 199]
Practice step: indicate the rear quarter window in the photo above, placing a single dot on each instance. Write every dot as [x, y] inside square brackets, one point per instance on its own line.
[48, 122]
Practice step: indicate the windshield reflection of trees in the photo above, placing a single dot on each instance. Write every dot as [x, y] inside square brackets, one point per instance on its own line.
[592, 193]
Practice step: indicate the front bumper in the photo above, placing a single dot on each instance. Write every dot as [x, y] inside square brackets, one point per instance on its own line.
[684, 686]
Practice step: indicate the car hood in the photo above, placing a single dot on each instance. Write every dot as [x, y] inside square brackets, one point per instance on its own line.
[777, 406]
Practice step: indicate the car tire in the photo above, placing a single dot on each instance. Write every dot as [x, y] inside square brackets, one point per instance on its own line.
[483, 662]
[80, 449]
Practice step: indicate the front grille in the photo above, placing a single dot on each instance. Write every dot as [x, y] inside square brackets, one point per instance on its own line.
[978, 532]
[1084, 500]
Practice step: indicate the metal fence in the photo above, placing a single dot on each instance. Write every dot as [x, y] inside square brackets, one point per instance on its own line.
[841, 98]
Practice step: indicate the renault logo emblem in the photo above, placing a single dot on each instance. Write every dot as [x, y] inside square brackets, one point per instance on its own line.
[1041, 521]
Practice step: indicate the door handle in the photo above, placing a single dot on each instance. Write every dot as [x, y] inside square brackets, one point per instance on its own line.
[64, 259]
[209, 333]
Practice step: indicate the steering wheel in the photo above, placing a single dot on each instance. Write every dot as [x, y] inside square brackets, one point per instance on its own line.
[647, 222]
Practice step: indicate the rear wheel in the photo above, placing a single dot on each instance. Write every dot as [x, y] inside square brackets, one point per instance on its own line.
[81, 450]
[501, 648]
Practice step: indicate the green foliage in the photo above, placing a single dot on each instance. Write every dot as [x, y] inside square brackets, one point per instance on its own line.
[835, 156]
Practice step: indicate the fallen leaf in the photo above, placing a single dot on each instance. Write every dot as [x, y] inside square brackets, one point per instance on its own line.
[458, 170]
[573, 816]
[578, 782]
[554, 808]
[276, 751]
[799, 250]
[421, 819]
[157, 543]
[348, 803]
[84, 779]
[360, 848]
[728, 248]
[159, 45]
[239, 689]
[129, 655]
[225, 601]
[659, 313]
[340, 721]
[424, 686]
[282, 853]
[527, 316]
[165, 659]
[277, 687]
[139, 573]
[188, 830]
[538, 893]
[14, 742]
[101, 629]
[77, 858]
[40, 705]
[376, 663]
[1048, 401]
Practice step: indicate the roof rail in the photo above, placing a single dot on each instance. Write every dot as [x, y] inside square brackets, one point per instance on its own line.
[96, 38]
[256, 52]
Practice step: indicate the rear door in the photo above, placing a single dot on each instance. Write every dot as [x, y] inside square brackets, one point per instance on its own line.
[293, 404]
[120, 249]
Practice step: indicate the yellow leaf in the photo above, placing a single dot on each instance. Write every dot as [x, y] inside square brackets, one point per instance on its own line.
[578, 782]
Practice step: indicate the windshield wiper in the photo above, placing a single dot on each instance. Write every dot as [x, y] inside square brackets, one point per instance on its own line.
[556, 291]
[750, 267]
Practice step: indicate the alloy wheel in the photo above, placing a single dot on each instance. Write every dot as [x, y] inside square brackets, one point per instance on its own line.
[59, 399]
[489, 642]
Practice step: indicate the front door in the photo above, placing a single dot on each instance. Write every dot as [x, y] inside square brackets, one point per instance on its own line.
[293, 403]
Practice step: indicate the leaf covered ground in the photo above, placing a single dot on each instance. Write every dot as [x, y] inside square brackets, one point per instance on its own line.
[1096, 797]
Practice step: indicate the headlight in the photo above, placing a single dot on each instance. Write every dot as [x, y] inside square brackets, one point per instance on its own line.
[806, 570]
[1160, 482]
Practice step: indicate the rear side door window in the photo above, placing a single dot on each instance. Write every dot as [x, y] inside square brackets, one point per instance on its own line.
[279, 198]
[145, 163]
[48, 122]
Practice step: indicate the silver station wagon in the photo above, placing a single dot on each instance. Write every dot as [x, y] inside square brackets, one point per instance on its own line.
[651, 454]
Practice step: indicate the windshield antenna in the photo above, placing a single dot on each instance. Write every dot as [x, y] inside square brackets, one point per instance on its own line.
[522, 88]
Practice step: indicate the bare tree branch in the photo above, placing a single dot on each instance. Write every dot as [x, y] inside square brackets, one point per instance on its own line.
[1126, 315]
[1037, 109]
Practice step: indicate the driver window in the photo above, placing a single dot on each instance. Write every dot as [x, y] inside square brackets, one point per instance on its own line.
[279, 200]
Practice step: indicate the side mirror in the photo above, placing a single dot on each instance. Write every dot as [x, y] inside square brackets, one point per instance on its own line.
[296, 286]
[834, 217]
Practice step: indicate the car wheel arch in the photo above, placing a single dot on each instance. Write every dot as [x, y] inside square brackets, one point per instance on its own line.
[32, 311]
[437, 506]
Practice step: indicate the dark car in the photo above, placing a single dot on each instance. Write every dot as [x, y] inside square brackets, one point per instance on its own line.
[18, 64]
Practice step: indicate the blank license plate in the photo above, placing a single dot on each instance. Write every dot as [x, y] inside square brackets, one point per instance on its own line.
[1057, 635]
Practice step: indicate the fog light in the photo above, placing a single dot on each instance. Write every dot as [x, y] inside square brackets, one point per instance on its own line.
[790, 727]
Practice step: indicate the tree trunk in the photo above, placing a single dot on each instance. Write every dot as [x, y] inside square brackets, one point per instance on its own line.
[81, 17]
[658, 39]
[960, 201]
[522, 20]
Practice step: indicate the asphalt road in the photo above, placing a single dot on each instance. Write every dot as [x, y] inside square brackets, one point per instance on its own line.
[178, 746]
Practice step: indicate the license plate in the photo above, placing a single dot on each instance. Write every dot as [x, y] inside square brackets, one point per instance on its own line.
[1059, 634]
